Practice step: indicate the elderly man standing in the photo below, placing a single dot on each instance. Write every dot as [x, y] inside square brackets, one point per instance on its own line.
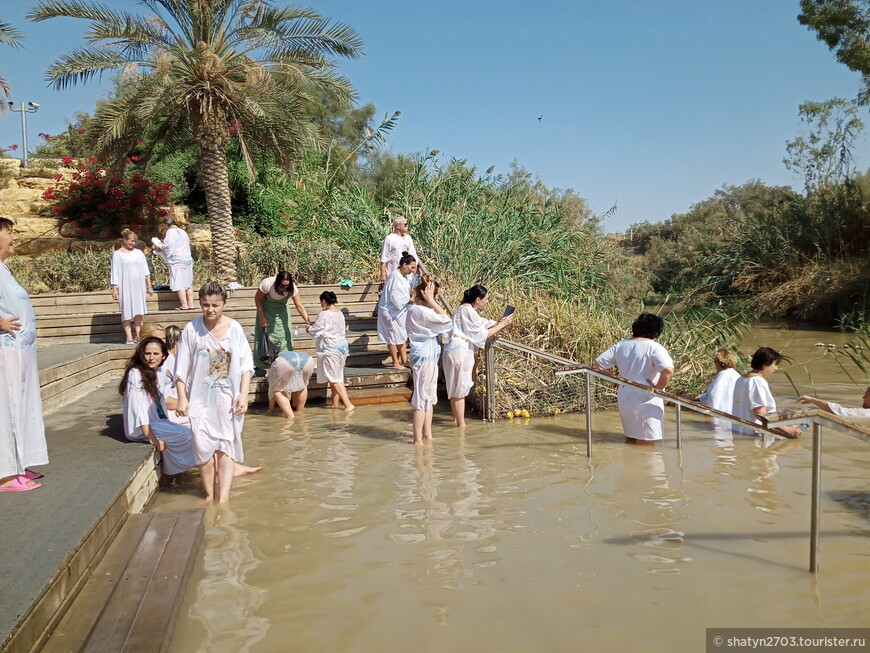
[395, 244]
[837, 409]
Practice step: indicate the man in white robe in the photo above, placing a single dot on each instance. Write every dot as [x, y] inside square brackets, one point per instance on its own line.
[394, 244]
[837, 409]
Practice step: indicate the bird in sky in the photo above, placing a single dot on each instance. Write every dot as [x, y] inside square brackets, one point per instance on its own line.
[540, 117]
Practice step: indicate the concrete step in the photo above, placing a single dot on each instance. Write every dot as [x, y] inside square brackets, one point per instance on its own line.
[20, 194]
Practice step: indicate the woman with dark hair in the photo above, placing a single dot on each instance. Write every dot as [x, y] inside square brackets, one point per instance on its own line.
[146, 418]
[328, 332]
[272, 314]
[753, 400]
[426, 321]
[22, 432]
[469, 334]
[213, 370]
[642, 360]
[392, 309]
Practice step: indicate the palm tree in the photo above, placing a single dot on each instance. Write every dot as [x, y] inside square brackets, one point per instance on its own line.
[205, 71]
[11, 37]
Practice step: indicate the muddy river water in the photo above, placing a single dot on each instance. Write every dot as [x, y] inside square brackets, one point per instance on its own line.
[507, 538]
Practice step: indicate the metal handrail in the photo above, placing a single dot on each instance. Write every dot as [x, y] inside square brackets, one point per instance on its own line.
[817, 418]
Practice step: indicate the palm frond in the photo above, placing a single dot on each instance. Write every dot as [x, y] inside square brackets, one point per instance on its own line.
[9, 35]
[83, 64]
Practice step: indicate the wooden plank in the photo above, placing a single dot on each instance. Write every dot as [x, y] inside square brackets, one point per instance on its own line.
[111, 630]
[154, 625]
[77, 624]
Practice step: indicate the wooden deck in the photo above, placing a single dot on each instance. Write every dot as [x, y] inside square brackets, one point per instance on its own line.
[130, 602]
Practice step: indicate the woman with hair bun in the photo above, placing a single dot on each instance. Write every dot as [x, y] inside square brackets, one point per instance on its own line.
[642, 360]
[425, 322]
[130, 280]
[468, 336]
[392, 309]
[328, 332]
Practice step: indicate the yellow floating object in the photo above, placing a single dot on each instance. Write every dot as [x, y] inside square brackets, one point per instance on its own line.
[510, 414]
[556, 411]
[526, 413]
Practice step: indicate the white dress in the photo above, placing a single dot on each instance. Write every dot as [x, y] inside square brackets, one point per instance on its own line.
[641, 361]
[141, 409]
[392, 249]
[176, 247]
[212, 371]
[22, 433]
[392, 308]
[720, 392]
[424, 327]
[290, 372]
[749, 394]
[129, 269]
[328, 332]
[467, 337]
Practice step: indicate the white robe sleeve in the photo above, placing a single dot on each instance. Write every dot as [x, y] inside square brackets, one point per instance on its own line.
[385, 250]
[436, 323]
[242, 349]
[143, 263]
[607, 360]
[184, 355]
[115, 277]
[844, 411]
[412, 249]
[319, 325]
[399, 293]
[472, 325]
[662, 359]
[136, 406]
[760, 395]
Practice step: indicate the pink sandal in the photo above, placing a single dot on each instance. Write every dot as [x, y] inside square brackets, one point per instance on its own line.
[20, 484]
[30, 475]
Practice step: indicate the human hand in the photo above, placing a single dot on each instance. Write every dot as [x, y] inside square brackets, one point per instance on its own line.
[264, 323]
[10, 325]
[507, 319]
[790, 431]
[151, 292]
[240, 405]
[115, 293]
[806, 399]
[181, 408]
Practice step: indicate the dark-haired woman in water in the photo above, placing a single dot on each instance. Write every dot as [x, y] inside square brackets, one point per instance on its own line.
[328, 332]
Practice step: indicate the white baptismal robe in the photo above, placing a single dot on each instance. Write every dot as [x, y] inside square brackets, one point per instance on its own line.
[176, 247]
[845, 411]
[141, 409]
[467, 336]
[749, 394]
[641, 361]
[424, 327]
[720, 392]
[22, 433]
[212, 371]
[392, 309]
[329, 333]
[392, 249]
[129, 269]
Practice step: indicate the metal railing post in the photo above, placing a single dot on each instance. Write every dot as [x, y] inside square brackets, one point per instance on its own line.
[679, 426]
[489, 361]
[817, 495]
[589, 408]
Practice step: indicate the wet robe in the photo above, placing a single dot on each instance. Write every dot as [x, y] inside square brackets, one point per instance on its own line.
[212, 371]
[329, 336]
[720, 392]
[129, 270]
[392, 308]
[176, 251]
[642, 361]
[290, 372]
[424, 327]
[467, 336]
[22, 432]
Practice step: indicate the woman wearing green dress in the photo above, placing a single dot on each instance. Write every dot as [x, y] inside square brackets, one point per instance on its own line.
[273, 316]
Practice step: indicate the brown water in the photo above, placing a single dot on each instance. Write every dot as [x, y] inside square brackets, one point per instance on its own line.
[508, 539]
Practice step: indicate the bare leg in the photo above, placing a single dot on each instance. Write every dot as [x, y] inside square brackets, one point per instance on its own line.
[427, 425]
[225, 469]
[340, 392]
[419, 420]
[629, 440]
[272, 404]
[284, 404]
[403, 355]
[299, 398]
[457, 407]
[189, 293]
[394, 354]
[182, 298]
[240, 470]
[127, 332]
[207, 476]
[137, 324]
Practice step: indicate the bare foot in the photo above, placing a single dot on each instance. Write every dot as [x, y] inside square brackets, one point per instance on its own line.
[348, 408]
[241, 470]
[399, 367]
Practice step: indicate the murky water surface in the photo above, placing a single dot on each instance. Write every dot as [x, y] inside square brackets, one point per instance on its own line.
[508, 539]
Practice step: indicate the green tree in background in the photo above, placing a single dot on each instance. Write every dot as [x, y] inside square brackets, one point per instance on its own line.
[206, 72]
[11, 37]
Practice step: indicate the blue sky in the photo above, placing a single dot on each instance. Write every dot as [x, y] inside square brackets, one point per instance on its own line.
[649, 105]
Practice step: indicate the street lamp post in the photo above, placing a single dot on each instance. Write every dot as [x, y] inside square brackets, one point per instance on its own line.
[24, 109]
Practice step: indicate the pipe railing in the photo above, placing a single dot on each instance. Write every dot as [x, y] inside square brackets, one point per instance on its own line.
[817, 418]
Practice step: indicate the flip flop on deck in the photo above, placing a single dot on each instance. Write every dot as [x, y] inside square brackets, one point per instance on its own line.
[19, 484]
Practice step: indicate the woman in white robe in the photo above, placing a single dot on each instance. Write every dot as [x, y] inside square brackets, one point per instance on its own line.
[642, 360]
[720, 393]
[330, 340]
[468, 336]
[22, 432]
[288, 378]
[175, 250]
[213, 369]
[130, 279]
[392, 308]
[146, 417]
[753, 400]
[426, 321]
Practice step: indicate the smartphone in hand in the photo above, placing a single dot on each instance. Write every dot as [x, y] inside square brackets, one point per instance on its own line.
[509, 310]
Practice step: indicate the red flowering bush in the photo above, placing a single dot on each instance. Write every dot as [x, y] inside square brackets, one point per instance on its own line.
[97, 202]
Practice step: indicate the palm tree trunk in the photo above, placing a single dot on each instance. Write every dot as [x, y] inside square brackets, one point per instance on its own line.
[215, 182]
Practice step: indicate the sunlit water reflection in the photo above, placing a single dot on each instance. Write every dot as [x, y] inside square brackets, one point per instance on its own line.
[507, 538]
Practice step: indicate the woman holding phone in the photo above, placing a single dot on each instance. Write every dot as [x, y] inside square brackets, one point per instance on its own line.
[468, 336]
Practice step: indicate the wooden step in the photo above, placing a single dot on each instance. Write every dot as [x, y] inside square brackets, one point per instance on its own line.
[130, 603]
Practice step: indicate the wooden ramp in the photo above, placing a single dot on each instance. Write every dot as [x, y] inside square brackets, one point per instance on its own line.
[131, 601]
